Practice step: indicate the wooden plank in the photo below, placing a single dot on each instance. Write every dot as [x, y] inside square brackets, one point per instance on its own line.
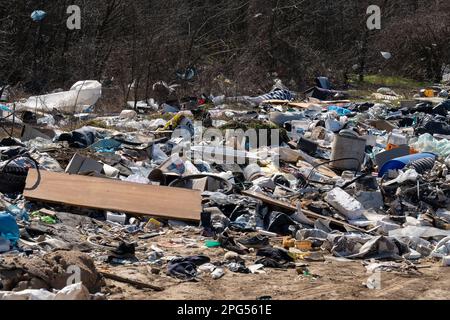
[276, 101]
[288, 207]
[137, 284]
[336, 102]
[113, 195]
[434, 100]
[302, 105]
[326, 171]
[305, 104]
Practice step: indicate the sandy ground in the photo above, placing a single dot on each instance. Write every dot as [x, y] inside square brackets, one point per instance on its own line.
[338, 281]
[332, 280]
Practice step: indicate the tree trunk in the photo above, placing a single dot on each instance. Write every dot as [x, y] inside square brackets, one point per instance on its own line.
[363, 56]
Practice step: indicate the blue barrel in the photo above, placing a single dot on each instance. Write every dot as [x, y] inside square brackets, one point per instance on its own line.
[400, 163]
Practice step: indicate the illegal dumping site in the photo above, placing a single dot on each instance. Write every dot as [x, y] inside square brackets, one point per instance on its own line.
[321, 194]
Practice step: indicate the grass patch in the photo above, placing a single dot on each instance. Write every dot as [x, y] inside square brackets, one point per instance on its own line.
[245, 125]
[95, 123]
[390, 81]
[257, 126]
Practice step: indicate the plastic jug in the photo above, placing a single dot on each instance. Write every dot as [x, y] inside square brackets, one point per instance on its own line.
[397, 139]
[348, 145]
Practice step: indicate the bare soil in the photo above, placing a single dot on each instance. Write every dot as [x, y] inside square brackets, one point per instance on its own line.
[331, 280]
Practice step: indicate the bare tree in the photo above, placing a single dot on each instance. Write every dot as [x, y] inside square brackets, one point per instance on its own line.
[250, 42]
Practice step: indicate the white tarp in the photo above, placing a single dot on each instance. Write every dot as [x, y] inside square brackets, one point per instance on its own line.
[73, 292]
[82, 95]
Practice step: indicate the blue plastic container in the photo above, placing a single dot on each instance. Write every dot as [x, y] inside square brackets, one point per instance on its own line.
[400, 163]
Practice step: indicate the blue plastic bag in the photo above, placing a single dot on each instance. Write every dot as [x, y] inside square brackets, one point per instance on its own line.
[106, 146]
[339, 110]
[9, 228]
[38, 15]
[17, 213]
[5, 108]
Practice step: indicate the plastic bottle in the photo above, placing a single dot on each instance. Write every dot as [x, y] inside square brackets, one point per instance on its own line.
[397, 139]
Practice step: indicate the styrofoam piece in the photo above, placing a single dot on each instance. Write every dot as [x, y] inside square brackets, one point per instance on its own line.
[116, 217]
[351, 208]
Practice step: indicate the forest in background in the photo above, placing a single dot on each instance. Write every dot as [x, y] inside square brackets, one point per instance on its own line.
[249, 42]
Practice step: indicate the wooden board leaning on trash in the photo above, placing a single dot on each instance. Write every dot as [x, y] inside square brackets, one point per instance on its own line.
[135, 283]
[113, 195]
[287, 206]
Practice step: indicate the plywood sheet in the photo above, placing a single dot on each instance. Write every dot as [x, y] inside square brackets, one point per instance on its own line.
[305, 105]
[113, 195]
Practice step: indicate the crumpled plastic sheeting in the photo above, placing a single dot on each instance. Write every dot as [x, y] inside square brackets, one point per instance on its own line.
[354, 246]
[311, 234]
[421, 232]
[427, 143]
[38, 15]
[82, 94]
[106, 146]
[46, 162]
[186, 268]
[136, 124]
[442, 248]
[387, 267]
[41, 144]
[419, 245]
[73, 292]
[137, 178]
[443, 214]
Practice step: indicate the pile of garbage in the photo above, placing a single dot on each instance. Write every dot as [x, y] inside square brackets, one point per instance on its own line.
[273, 180]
